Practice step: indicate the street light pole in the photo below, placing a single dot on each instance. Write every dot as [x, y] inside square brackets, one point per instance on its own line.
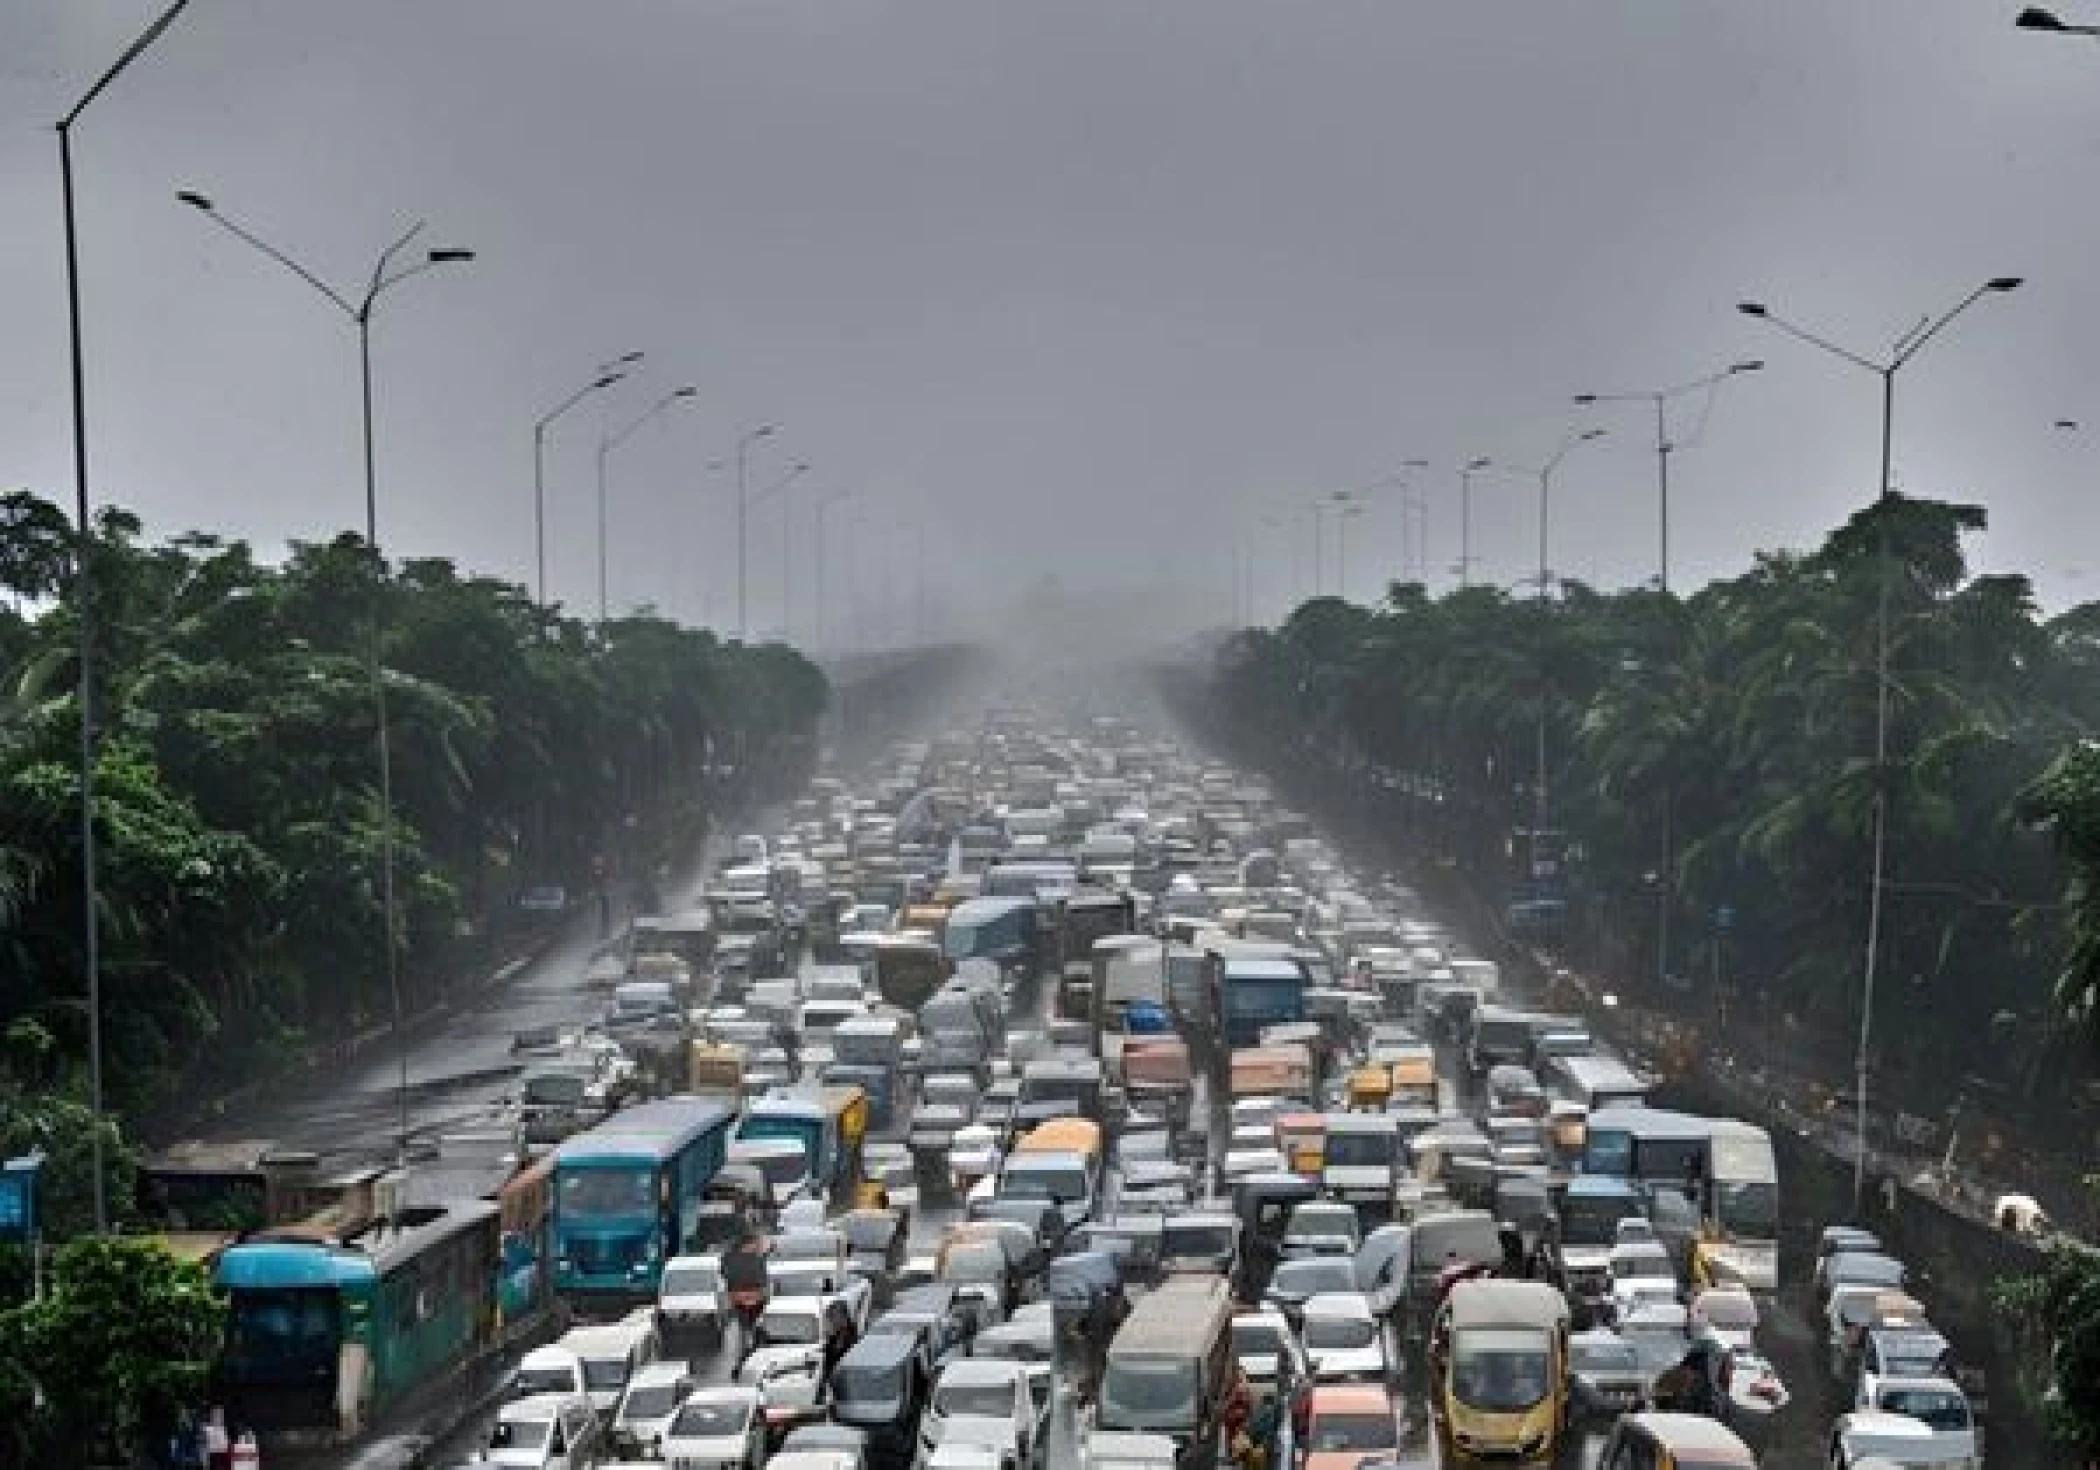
[795, 472]
[1466, 473]
[1661, 398]
[1341, 548]
[607, 375]
[743, 520]
[83, 599]
[607, 443]
[386, 274]
[824, 504]
[1906, 348]
[1540, 808]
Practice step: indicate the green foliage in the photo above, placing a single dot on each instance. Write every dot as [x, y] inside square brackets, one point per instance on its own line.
[1718, 751]
[237, 809]
[2055, 1314]
[65, 1130]
[120, 1342]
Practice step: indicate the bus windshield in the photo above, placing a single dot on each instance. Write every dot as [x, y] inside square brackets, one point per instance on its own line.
[1747, 1209]
[609, 1191]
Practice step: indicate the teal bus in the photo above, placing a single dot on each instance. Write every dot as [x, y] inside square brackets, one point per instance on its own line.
[324, 1336]
[627, 1197]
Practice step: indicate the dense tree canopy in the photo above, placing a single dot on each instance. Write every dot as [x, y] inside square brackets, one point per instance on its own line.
[236, 796]
[1713, 756]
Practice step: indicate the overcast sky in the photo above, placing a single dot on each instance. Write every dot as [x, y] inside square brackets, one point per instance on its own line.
[1084, 287]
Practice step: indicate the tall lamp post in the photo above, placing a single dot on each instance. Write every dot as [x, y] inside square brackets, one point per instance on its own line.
[1540, 809]
[1319, 508]
[388, 272]
[607, 443]
[824, 504]
[780, 486]
[83, 560]
[606, 376]
[1664, 448]
[744, 442]
[1466, 473]
[1907, 347]
[1342, 519]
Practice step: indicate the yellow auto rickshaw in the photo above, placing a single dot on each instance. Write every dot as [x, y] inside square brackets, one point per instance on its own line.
[1370, 1087]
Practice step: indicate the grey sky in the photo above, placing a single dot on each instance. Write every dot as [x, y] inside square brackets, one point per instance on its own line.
[1088, 284]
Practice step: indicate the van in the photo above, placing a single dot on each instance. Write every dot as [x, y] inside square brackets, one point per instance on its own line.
[1441, 1238]
[609, 1353]
[1170, 1368]
[1058, 1161]
[1499, 1353]
[545, 1431]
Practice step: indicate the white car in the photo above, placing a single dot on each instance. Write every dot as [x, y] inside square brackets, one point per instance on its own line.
[1268, 1350]
[973, 1155]
[691, 1300]
[981, 1390]
[1937, 1403]
[1873, 1437]
[1241, 1162]
[1729, 1315]
[1344, 1339]
[721, 1427]
[652, 1397]
[545, 1431]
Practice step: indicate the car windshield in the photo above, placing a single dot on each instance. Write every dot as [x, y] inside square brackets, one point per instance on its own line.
[650, 1401]
[604, 1375]
[1326, 1334]
[1591, 1221]
[1206, 1242]
[1499, 1371]
[777, 1327]
[1348, 1432]
[1749, 1210]
[1256, 1337]
[1060, 1183]
[986, 1400]
[1605, 1357]
[557, 1089]
[1361, 1150]
[1144, 1393]
[710, 1419]
[544, 1380]
[854, 1381]
[1324, 1224]
[1726, 1309]
[1306, 1278]
[1938, 1407]
[690, 1280]
[520, 1434]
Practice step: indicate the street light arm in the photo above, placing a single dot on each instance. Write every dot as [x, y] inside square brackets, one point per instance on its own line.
[614, 441]
[1917, 343]
[1802, 334]
[794, 474]
[242, 233]
[381, 280]
[596, 385]
[132, 53]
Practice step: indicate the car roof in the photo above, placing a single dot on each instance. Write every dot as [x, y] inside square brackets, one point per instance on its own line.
[724, 1393]
[1351, 1398]
[982, 1371]
[542, 1405]
[668, 1370]
[1337, 1304]
[1695, 1432]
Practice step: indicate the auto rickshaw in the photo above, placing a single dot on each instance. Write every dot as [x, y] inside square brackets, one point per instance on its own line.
[1370, 1087]
[1302, 1139]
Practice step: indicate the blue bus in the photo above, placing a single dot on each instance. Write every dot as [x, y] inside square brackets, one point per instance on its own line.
[323, 1337]
[627, 1196]
[1257, 992]
[1651, 1146]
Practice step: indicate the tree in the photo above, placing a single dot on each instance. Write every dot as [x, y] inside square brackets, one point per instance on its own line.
[2055, 1315]
[121, 1341]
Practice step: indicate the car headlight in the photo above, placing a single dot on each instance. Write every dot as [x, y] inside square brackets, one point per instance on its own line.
[1532, 1443]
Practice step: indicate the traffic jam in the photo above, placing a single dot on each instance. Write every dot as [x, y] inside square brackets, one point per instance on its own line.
[1054, 1099]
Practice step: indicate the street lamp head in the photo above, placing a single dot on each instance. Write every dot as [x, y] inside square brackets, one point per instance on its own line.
[1752, 308]
[2003, 283]
[1747, 365]
[626, 359]
[1479, 464]
[1414, 464]
[1588, 434]
[686, 392]
[606, 381]
[1585, 398]
[450, 255]
[763, 431]
[194, 200]
[2034, 18]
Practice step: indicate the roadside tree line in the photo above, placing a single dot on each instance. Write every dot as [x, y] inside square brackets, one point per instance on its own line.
[236, 786]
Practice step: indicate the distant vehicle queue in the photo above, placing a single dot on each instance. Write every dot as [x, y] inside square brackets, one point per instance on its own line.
[1055, 1091]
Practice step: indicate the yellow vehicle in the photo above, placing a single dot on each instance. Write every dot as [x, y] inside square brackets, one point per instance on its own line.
[715, 1068]
[1063, 1136]
[1370, 1087]
[1499, 1359]
[1414, 1078]
[1302, 1138]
